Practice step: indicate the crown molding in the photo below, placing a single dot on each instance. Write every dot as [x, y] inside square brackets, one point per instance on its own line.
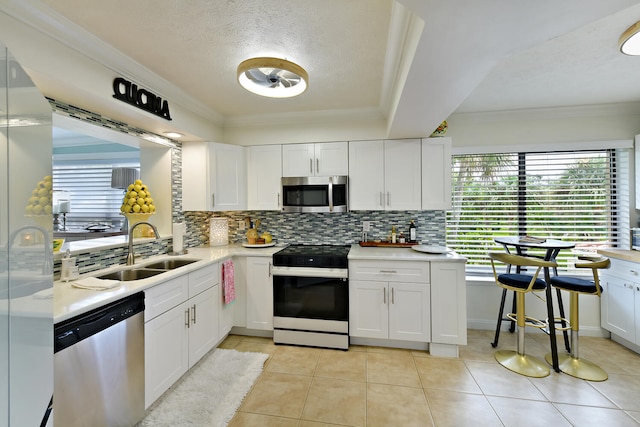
[305, 117]
[50, 23]
[613, 109]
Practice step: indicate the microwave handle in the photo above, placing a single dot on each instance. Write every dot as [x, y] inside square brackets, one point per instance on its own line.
[330, 194]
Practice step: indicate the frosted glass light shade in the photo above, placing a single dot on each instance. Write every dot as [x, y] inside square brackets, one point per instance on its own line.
[218, 232]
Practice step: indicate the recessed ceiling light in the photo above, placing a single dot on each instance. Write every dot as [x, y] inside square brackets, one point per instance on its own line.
[272, 77]
[629, 42]
[173, 134]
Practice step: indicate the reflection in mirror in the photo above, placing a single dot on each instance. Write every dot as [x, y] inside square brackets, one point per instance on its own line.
[88, 165]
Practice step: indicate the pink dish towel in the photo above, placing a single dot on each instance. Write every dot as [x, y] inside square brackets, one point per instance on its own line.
[228, 285]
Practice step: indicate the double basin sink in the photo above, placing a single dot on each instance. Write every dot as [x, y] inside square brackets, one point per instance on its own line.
[148, 270]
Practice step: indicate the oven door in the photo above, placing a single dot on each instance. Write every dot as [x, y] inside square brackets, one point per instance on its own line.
[322, 298]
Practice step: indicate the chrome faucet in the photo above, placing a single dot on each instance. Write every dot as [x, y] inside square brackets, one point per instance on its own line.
[130, 255]
[47, 266]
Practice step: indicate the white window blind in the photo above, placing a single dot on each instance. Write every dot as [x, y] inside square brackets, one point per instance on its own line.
[578, 196]
[89, 185]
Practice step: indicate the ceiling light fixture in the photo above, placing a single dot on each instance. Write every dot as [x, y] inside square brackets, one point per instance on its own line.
[173, 134]
[272, 77]
[629, 42]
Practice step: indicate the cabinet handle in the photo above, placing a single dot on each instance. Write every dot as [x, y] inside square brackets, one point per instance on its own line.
[393, 296]
[193, 318]
[311, 166]
[278, 200]
[381, 199]
[213, 199]
[633, 271]
[388, 271]
[388, 199]
[317, 165]
[384, 298]
[269, 268]
[186, 320]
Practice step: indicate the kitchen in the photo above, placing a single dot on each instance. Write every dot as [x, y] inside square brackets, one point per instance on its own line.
[616, 123]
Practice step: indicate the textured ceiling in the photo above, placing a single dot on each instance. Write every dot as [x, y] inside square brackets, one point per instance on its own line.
[407, 63]
[198, 44]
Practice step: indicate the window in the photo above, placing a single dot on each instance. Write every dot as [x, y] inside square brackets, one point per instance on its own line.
[579, 196]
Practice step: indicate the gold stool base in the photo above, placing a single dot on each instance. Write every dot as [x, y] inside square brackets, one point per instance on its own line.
[522, 364]
[579, 368]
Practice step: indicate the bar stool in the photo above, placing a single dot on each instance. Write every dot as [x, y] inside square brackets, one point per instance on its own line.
[521, 284]
[571, 363]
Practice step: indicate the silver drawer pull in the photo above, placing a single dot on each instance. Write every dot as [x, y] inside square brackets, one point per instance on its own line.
[186, 319]
[193, 318]
[384, 299]
[388, 271]
[393, 297]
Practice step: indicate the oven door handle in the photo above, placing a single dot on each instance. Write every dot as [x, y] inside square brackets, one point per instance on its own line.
[339, 273]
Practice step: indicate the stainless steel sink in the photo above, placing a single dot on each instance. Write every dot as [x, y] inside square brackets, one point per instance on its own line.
[170, 264]
[133, 274]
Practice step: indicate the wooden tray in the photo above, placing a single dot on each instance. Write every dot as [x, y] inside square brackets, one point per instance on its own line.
[387, 244]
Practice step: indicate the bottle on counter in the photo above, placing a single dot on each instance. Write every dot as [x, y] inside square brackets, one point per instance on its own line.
[401, 238]
[393, 234]
[413, 232]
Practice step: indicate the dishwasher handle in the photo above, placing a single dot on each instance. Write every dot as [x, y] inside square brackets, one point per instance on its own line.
[81, 327]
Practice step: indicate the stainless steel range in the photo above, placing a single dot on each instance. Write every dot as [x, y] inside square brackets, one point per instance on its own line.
[311, 296]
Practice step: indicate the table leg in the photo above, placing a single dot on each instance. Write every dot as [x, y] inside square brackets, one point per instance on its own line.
[552, 328]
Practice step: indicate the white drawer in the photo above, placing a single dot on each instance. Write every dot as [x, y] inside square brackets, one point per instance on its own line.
[623, 269]
[204, 278]
[165, 296]
[390, 271]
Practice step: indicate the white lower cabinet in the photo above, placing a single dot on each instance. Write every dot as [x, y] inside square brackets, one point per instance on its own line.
[389, 310]
[259, 293]
[415, 301]
[389, 300]
[620, 300]
[180, 327]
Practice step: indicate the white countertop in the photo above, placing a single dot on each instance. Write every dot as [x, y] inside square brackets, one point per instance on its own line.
[69, 301]
[399, 254]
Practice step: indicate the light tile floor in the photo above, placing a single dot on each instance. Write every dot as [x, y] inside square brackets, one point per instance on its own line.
[375, 386]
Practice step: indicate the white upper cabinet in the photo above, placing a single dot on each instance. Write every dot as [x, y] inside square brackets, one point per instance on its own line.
[436, 173]
[265, 171]
[213, 177]
[319, 159]
[385, 175]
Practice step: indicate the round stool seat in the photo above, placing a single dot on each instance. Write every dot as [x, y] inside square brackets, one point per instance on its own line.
[521, 281]
[575, 284]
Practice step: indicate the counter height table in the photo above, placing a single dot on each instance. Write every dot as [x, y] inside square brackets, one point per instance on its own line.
[552, 248]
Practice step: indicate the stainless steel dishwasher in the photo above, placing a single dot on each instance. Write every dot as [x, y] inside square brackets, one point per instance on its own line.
[99, 366]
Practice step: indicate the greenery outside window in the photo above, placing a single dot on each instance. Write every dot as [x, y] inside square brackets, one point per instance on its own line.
[577, 196]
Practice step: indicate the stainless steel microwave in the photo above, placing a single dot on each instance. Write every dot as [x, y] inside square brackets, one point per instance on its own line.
[635, 239]
[315, 194]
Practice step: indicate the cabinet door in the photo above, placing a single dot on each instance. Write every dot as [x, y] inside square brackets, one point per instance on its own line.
[166, 347]
[297, 160]
[368, 309]
[259, 293]
[227, 165]
[409, 312]
[366, 175]
[402, 175]
[265, 171]
[448, 303]
[331, 158]
[203, 323]
[436, 173]
[617, 302]
[197, 184]
[204, 278]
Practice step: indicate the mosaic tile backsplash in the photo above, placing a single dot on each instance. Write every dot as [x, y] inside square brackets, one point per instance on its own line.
[321, 228]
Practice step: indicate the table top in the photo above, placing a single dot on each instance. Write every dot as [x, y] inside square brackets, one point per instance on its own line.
[547, 244]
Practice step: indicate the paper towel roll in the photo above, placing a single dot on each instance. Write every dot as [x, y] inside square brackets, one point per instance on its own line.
[178, 235]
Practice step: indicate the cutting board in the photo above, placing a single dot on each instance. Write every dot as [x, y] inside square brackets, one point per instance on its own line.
[387, 244]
